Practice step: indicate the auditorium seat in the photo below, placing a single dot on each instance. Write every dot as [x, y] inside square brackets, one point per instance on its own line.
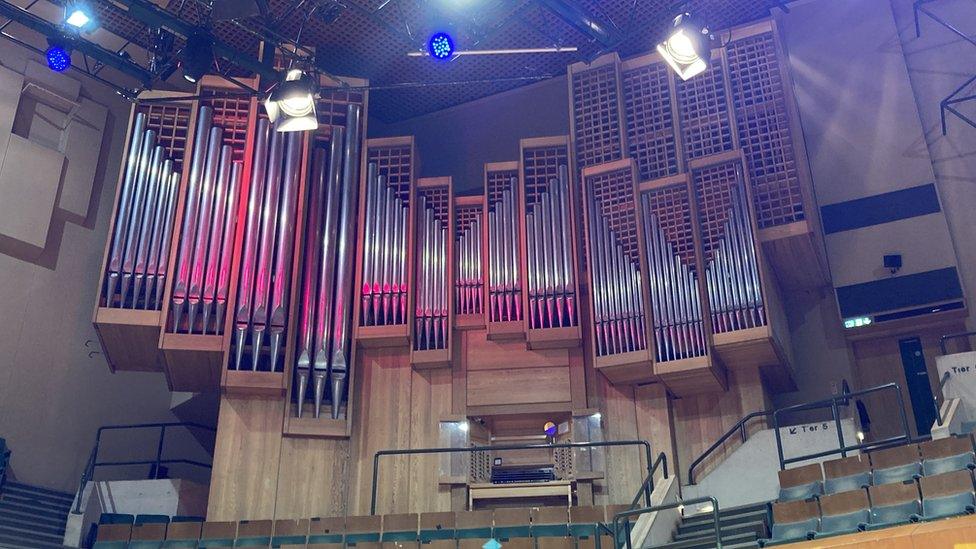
[845, 474]
[182, 535]
[563, 542]
[583, 520]
[473, 543]
[896, 464]
[473, 524]
[289, 532]
[116, 518]
[793, 521]
[149, 535]
[400, 527]
[894, 503]
[254, 533]
[512, 522]
[186, 518]
[436, 526]
[947, 454]
[947, 494]
[844, 513]
[217, 534]
[326, 530]
[400, 544]
[611, 511]
[550, 522]
[363, 529]
[112, 536]
[440, 544]
[800, 483]
[595, 542]
[151, 519]
[519, 543]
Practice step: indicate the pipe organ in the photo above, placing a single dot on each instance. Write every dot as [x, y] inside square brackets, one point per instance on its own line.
[318, 274]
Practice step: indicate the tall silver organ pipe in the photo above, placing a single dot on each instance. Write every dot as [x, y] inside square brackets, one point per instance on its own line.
[674, 285]
[138, 254]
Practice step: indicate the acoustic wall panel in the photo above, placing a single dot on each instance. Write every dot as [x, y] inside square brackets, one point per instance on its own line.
[81, 144]
[29, 181]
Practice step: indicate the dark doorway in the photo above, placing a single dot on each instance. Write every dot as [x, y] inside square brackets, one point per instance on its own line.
[919, 388]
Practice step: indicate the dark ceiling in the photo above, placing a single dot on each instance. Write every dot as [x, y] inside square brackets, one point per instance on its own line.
[370, 39]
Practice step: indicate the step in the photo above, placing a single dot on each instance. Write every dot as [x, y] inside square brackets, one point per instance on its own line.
[17, 542]
[709, 541]
[758, 528]
[730, 511]
[6, 521]
[34, 507]
[26, 533]
[23, 515]
[41, 492]
[22, 496]
[699, 522]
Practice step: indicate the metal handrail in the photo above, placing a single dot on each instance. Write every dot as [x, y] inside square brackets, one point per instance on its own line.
[939, 397]
[648, 484]
[93, 463]
[740, 426]
[946, 337]
[471, 449]
[833, 403]
[625, 515]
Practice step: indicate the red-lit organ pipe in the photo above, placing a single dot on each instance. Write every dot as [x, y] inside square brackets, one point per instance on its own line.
[267, 260]
[384, 291]
[469, 283]
[325, 315]
[431, 330]
[504, 290]
[206, 240]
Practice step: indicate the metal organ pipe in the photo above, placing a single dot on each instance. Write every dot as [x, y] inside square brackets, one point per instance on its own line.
[191, 211]
[242, 316]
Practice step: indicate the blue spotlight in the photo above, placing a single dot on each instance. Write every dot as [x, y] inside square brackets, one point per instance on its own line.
[440, 46]
[58, 58]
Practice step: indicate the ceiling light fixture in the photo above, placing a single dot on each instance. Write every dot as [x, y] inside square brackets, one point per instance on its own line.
[291, 105]
[688, 47]
[58, 56]
[79, 16]
[440, 46]
[198, 56]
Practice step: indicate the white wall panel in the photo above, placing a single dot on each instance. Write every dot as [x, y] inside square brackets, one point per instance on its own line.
[29, 180]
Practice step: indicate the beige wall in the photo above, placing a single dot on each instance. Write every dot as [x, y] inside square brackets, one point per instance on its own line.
[52, 395]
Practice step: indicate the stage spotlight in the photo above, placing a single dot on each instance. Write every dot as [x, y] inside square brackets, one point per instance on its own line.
[688, 47]
[58, 57]
[291, 106]
[440, 46]
[78, 16]
[197, 56]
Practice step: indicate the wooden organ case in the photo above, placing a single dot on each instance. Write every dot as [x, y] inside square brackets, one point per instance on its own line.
[625, 278]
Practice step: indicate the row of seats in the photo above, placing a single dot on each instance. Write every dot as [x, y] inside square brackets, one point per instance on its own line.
[891, 465]
[927, 498]
[565, 526]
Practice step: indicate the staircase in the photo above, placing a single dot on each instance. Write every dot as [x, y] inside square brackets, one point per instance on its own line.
[31, 517]
[740, 528]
